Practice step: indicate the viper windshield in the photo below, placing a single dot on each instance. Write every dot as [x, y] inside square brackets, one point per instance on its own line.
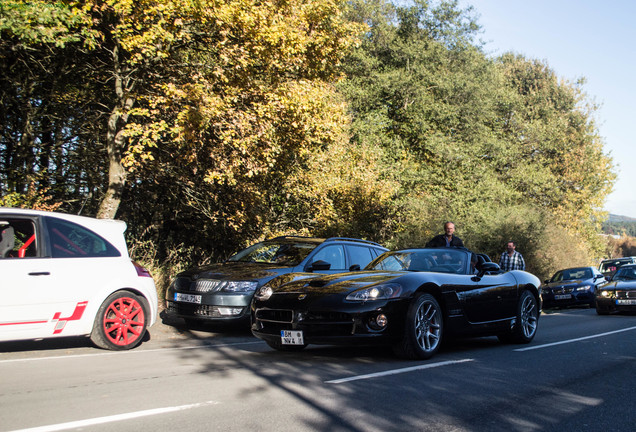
[442, 260]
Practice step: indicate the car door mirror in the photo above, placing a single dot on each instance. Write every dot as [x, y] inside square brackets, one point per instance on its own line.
[355, 267]
[487, 267]
[319, 265]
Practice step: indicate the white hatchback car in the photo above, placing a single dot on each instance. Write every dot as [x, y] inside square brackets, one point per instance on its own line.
[66, 275]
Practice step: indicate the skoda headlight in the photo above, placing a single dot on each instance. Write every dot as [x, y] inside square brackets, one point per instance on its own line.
[240, 286]
[376, 292]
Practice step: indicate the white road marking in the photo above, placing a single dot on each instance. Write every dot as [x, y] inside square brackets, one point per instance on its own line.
[133, 351]
[576, 339]
[113, 418]
[397, 371]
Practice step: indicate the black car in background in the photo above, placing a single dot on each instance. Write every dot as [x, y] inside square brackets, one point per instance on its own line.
[222, 292]
[609, 266]
[619, 295]
[409, 299]
[572, 286]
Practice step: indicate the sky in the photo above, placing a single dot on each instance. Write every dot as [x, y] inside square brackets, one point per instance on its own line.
[579, 38]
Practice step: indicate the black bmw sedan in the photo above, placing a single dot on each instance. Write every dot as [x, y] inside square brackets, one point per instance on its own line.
[572, 286]
[619, 295]
[409, 299]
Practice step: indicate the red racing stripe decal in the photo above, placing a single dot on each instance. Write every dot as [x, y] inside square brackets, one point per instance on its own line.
[23, 322]
[61, 322]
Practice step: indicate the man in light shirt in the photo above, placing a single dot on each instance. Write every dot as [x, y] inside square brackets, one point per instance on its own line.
[511, 259]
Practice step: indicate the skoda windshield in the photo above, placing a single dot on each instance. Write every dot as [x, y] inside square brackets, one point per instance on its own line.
[284, 253]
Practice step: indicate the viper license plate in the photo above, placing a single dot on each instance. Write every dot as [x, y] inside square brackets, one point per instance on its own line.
[291, 337]
[187, 298]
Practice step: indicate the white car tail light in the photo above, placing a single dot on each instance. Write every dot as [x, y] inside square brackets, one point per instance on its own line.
[141, 270]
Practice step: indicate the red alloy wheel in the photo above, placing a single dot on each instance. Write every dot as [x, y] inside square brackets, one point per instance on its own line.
[124, 321]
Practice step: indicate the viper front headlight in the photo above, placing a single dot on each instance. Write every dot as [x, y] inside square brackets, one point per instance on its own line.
[376, 292]
[263, 293]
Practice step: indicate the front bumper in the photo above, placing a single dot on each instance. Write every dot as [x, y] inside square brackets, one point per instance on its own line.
[216, 306]
[574, 299]
[349, 324]
[207, 312]
[615, 304]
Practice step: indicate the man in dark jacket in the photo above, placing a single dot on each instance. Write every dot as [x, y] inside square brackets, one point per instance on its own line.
[447, 239]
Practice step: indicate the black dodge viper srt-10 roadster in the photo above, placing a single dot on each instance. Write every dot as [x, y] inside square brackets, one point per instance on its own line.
[410, 299]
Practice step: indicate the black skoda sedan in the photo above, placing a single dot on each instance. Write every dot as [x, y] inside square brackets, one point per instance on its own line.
[222, 292]
[410, 299]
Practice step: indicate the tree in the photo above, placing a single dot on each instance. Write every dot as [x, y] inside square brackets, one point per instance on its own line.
[423, 93]
[207, 125]
[44, 100]
[469, 138]
[248, 108]
[558, 160]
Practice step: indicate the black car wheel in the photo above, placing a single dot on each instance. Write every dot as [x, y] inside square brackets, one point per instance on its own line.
[277, 345]
[423, 330]
[526, 321]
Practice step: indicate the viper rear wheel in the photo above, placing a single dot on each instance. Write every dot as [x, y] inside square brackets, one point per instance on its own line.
[526, 321]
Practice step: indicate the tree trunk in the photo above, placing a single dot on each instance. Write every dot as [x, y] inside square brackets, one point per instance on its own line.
[116, 141]
[116, 171]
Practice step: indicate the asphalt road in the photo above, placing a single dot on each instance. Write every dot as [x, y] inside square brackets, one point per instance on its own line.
[578, 374]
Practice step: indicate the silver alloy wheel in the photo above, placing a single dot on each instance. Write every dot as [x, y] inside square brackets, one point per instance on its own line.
[427, 326]
[529, 316]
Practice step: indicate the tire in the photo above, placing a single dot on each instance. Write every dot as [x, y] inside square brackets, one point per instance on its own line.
[423, 329]
[526, 322]
[278, 346]
[121, 322]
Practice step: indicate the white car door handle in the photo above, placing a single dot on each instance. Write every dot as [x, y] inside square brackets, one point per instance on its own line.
[40, 274]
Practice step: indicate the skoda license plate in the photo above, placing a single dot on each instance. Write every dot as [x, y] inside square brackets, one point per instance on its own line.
[291, 337]
[187, 298]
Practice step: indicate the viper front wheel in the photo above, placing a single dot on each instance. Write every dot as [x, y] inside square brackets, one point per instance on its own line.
[423, 329]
